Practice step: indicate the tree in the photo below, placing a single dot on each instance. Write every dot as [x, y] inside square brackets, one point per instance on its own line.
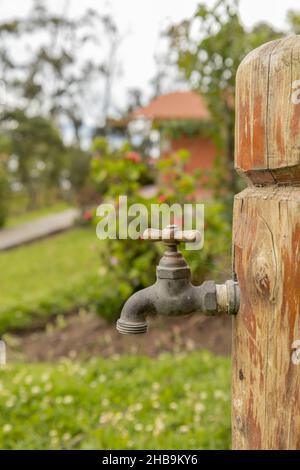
[4, 191]
[38, 149]
[134, 99]
[43, 162]
[59, 68]
[209, 48]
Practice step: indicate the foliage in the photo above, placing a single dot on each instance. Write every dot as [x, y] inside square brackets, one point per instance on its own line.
[209, 47]
[293, 20]
[59, 66]
[38, 148]
[4, 190]
[119, 173]
[42, 161]
[49, 277]
[77, 167]
[176, 128]
[130, 402]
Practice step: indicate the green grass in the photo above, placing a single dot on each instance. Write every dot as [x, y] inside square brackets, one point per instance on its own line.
[36, 214]
[48, 277]
[132, 402]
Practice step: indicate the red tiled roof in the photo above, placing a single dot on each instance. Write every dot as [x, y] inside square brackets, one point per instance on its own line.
[178, 105]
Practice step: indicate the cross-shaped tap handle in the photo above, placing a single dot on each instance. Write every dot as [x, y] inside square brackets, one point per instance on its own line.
[171, 235]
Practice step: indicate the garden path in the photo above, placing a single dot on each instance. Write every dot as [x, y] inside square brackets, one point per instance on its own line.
[36, 229]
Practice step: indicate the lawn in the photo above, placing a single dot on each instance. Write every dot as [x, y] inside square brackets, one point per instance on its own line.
[49, 277]
[130, 402]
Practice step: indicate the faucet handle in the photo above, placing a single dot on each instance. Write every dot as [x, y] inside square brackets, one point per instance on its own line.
[171, 235]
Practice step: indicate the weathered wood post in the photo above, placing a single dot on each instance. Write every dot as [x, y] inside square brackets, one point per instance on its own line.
[266, 249]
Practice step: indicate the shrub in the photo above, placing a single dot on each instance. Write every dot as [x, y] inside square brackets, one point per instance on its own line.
[131, 264]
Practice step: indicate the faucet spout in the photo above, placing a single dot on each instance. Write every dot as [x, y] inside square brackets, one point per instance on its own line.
[176, 297]
[133, 316]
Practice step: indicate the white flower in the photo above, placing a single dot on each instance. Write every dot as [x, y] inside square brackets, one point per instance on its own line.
[35, 390]
[105, 418]
[219, 394]
[137, 407]
[28, 379]
[10, 403]
[45, 377]
[184, 429]
[7, 428]
[138, 427]
[159, 426]
[68, 399]
[155, 386]
[173, 406]
[154, 397]
[48, 387]
[199, 407]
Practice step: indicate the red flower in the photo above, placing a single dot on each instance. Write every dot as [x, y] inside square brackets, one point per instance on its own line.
[133, 156]
[162, 198]
[87, 216]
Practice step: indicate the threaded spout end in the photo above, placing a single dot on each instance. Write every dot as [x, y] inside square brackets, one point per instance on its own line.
[128, 328]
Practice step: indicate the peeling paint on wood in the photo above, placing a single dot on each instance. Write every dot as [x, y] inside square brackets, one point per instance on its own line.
[266, 251]
[266, 248]
[267, 116]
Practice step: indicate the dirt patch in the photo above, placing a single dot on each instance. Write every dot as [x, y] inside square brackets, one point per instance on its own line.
[85, 335]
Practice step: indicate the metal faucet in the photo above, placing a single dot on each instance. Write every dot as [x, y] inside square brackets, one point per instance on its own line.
[173, 294]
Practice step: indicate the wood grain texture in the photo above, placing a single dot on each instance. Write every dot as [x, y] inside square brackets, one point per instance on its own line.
[265, 382]
[267, 114]
[266, 250]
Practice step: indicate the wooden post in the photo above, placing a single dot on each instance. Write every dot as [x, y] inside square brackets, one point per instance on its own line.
[266, 250]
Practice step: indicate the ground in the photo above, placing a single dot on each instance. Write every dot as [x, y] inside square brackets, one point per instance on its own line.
[86, 335]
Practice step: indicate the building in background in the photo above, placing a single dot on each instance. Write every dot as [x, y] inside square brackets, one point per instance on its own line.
[178, 120]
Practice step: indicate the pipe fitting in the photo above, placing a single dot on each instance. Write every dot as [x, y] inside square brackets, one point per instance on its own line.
[228, 297]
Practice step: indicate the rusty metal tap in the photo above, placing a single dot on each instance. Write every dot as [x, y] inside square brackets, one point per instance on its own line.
[173, 294]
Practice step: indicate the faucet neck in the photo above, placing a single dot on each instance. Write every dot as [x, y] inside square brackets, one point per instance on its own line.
[173, 265]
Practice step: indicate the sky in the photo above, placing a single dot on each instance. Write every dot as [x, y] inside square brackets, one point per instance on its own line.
[141, 22]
